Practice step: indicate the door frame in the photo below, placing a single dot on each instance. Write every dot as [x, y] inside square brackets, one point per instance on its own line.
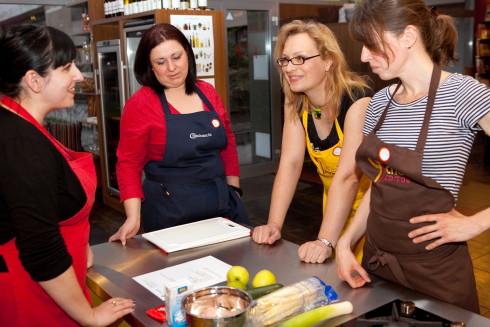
[263, 168]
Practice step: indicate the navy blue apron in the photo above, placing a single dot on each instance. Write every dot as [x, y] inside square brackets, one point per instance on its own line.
[189, 184]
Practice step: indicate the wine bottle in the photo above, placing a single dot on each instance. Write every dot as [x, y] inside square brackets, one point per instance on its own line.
[184, 4]
[175, 4]
[202, 4]
[106, 8]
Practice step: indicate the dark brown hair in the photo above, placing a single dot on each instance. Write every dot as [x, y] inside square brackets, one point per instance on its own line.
[151, 38]
[31, 47]
[373, 18]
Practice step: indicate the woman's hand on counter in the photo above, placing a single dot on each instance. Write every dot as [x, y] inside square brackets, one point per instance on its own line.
[266, 234]
[67, 293]
[314, 252]
[129, 229]
[348, 268]
[109, 311]
[131, 226]
[446, 227]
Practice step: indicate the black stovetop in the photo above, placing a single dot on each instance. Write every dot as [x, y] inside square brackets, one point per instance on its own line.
[394, 314]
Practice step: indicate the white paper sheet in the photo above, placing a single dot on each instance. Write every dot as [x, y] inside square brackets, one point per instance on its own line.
[201, 272]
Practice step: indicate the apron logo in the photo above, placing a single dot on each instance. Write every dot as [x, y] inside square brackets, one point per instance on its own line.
[215, 123]
[387, 173]
[195, 136]
[384, 154]
[337, 150]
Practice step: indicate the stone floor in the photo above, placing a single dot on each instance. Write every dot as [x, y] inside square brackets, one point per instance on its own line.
[304, 216]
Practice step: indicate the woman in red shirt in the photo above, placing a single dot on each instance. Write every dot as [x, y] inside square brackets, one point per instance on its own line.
[176, 130]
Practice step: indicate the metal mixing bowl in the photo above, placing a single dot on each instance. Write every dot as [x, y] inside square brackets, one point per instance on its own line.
[201, 305]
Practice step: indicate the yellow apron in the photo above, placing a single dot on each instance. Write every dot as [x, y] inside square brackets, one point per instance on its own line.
[326, 163]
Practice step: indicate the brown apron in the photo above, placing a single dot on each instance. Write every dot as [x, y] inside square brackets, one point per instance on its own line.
[399, 192]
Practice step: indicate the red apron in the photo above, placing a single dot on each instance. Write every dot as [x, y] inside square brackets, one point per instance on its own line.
[400, 192]
[23, 302]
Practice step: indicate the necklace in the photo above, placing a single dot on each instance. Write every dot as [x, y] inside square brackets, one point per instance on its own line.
[317, 111]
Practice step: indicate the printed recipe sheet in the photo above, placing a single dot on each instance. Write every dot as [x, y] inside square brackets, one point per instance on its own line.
[201, 272]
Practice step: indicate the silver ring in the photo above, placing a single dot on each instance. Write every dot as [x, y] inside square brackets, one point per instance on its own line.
[114, 303]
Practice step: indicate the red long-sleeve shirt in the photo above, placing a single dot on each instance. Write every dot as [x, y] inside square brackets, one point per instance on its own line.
[143, 138]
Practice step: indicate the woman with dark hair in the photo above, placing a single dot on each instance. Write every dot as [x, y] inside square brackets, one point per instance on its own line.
[46, 189]
[176, 130]
[418, 137]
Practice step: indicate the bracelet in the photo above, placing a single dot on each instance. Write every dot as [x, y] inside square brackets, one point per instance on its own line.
[326, 242]
[238, 190]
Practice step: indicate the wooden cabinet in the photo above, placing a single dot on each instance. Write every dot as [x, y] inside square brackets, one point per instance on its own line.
[112, 31]
[482, 51]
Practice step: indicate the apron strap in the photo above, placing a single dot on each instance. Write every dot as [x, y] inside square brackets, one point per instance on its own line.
[383, 115]
[424, 130]
[434, 83]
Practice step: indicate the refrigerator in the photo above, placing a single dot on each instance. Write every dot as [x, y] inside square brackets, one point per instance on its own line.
[133, 31]
[112, 95]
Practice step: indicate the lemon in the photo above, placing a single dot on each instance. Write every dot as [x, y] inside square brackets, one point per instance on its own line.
[263, 278]
[238, 273]
[237, 284]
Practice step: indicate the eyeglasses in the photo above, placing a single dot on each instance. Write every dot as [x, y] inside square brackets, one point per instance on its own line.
[283, 62]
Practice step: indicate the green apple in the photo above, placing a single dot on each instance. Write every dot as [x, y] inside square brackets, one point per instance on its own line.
[237, 284]
[238, 273]
[263, 278]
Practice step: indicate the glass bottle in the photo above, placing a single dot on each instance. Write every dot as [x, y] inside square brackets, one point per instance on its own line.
[166, 4]
[193, 4]
[106, 8]
[175, 4]
[120, 8]
[184, 4]
[202, 4]
[127, 4]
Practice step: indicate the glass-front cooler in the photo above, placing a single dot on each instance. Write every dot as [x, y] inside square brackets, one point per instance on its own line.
[133, 31]
[112, 94]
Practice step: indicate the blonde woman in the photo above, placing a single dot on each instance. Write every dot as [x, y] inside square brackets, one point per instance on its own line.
[324, 110]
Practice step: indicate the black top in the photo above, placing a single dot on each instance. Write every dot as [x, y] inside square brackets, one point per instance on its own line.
[333, 138]
[38, 189]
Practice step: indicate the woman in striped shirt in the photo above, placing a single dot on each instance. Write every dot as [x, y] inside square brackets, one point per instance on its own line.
[418, 137]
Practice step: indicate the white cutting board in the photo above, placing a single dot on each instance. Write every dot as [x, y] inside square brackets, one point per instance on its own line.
[199, 233]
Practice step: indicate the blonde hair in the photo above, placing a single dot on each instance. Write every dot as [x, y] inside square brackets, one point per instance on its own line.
[339, 79]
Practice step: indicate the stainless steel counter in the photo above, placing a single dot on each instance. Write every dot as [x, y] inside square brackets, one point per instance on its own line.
[115, 265]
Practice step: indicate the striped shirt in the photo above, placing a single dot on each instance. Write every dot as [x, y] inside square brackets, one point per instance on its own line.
[460, 103]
